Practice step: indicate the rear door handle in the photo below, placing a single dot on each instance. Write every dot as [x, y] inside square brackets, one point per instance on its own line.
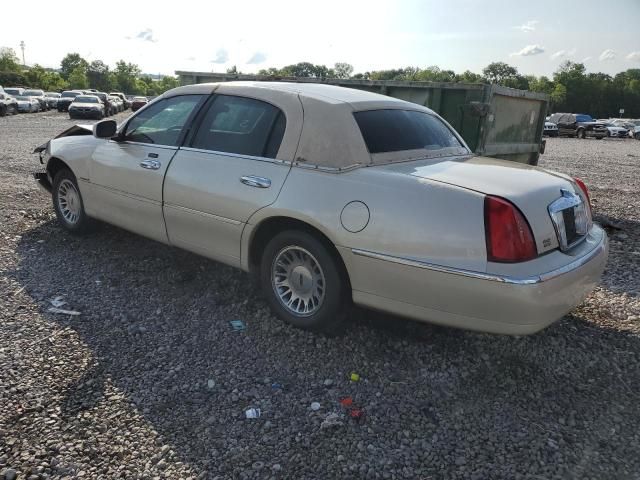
[255, 181]
[150, 164]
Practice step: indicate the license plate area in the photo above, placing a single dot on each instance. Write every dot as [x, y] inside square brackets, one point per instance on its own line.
[570, 219]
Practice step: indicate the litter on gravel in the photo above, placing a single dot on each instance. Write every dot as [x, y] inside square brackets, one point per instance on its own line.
[62, 311]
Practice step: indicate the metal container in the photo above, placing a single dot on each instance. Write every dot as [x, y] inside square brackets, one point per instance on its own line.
[495, 121]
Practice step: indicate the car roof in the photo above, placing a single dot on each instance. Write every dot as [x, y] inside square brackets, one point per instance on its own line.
[317, 91]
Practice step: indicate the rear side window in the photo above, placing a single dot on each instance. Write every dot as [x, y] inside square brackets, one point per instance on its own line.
[241, 125]
[398, 130]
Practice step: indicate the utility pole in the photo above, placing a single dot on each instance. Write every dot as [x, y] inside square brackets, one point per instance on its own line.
[22, 45]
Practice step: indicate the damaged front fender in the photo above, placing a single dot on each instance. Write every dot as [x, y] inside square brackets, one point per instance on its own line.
[74, 131]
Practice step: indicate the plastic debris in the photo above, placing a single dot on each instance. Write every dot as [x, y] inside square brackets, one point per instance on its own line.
[354, 377]
[277, 386]
[252, 413]
[57, 301]
[62, 311]
[237, 325]
[315, 406]
[331, 421]
[211, 383]
[346, 402]
[356, 413]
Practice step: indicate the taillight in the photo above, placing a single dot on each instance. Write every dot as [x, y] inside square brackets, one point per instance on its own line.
[508, 235]
[584, 189]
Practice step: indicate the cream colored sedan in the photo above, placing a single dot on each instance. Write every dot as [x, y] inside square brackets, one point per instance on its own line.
[333, 196]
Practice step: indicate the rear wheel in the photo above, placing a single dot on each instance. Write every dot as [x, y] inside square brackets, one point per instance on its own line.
[304, 283]
[68, 204]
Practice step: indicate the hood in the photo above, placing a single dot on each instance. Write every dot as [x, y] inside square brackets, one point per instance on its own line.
[75, 131]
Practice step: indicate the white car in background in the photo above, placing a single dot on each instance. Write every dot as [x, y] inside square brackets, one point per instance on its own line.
[28, 104]
[615, 130]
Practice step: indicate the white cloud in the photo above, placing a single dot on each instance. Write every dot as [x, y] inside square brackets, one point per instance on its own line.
[608, 54]
[256, 58]
[528, 26]
[146, 35]
[563, 53]
[634, 56]
[528, 51]
[222, 56]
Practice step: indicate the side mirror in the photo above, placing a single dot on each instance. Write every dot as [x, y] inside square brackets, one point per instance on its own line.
[105, 129]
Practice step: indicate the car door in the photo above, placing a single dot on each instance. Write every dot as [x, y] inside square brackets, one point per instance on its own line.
[235, 164]
[126, 173]
[563, 125]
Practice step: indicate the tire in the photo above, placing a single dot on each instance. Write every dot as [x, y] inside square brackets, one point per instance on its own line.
[68, 203]
[580, 134]
[4, 110]
[295, 252]
[598, 138]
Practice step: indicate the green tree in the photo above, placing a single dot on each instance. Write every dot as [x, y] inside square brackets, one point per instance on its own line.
[558, 95]
[71, 62]
[9, 61]
[469, 77]
[500, 73]
[126, 75]
[99, 76]
[35, 77]
[343, 70]
[78, 78]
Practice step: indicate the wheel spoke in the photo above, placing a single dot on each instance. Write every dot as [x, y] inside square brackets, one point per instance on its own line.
[298, 281]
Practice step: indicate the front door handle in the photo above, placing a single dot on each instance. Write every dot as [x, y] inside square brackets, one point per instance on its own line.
[150, 164]
[254, 181]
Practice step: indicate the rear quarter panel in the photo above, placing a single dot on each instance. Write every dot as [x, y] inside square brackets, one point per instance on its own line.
[409, 217]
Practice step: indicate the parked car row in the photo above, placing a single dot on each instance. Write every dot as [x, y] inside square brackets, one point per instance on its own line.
[580, 125]
[18, 99]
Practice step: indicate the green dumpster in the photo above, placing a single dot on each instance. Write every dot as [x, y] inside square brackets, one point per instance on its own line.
[495, 121]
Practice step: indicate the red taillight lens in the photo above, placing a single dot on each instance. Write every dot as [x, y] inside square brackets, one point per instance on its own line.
[584, 189]
[508, 235]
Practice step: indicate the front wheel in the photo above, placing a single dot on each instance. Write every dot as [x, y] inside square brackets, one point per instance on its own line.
[68, 204]
[581, 134]
[304, 282]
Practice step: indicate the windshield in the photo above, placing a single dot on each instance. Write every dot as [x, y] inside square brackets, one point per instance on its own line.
[584, 118]
[12, 91]
[70, 94]
[23, 97]
[34, 93]
[398, 130]
[81, 99]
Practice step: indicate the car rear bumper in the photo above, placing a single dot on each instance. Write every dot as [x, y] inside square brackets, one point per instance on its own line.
[474, 300]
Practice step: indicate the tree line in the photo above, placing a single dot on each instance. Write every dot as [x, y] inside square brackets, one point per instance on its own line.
[571, 88]
[77, 73]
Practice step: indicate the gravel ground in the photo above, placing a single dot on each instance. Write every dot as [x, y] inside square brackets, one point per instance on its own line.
[150, 381]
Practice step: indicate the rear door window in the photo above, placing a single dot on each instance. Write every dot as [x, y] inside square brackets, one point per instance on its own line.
[398, 130]
[240, 125]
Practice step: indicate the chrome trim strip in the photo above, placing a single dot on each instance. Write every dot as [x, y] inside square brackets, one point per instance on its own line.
[532, 280]
[203, 214]
[142, 144]
[235, 155]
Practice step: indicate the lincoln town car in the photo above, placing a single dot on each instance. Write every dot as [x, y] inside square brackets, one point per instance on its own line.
[332, 197]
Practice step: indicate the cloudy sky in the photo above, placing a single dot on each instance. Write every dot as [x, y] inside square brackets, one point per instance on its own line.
[252, 34]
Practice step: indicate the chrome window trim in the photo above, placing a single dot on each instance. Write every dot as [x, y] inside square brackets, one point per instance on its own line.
[142, 144]
[236, 155]
[506, 279]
